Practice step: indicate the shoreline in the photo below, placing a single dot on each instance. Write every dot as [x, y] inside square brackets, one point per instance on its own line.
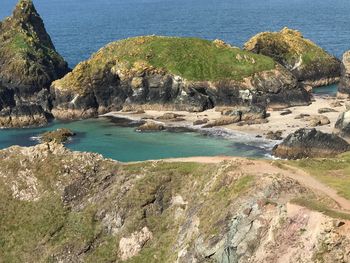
[286, 124]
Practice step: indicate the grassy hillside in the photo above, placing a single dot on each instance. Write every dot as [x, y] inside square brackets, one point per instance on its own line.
[191, 58]
[287, 47]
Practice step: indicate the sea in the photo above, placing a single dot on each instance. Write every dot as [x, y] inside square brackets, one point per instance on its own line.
[79, 28]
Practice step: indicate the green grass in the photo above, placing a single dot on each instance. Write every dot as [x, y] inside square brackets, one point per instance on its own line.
[334, 172]
[320, 207]
[287, 46]
[191, 58]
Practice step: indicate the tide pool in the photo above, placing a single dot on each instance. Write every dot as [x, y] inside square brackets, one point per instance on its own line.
[124, 144]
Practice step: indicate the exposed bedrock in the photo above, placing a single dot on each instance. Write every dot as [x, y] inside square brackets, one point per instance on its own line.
[344, 85]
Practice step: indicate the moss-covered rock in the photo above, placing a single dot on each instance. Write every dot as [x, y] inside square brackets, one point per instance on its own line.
[28, 65]
[171, 72]
[60, 135]
[307, 61]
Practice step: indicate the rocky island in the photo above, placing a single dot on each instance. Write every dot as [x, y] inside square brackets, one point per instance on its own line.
[28, 65]
[172, 73]
[308, 62]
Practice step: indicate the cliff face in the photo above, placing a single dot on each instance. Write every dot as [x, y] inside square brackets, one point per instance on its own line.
[173, 73]
[344, 85]
[308, 62]
[28, 65]
[63, 206]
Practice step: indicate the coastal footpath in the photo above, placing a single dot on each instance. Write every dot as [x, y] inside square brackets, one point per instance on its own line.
[63, 206]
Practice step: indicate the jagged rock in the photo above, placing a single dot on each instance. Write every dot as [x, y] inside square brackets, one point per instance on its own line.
[151, 126]
[131, 246]
[344, 85]
[310, 143]
[277, 135]
[117, 77]
[342, 126]
[309, 63]
[28, 65]
[245, 113]
[60, 135]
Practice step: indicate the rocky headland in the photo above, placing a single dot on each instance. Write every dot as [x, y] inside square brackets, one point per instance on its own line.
[309, 63]
[63, 206]
[28, 65]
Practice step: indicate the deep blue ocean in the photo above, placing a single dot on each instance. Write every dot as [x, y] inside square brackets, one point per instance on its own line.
[80, 27]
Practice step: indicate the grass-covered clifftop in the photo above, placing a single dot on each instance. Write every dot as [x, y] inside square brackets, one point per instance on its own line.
[27, 54]
[63, 206]
[190, 58]
[291, 49]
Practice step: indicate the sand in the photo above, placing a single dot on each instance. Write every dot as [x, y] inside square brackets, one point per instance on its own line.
[276, 122]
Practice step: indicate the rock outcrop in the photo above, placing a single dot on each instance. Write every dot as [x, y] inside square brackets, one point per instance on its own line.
[310, 143]
[28, 65]
[61, 135]
[344, 85]
[63, 206]
[171, 73]
[342, 126]
[309, 63]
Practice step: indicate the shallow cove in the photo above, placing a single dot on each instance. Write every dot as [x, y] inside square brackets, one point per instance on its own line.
[124, 144]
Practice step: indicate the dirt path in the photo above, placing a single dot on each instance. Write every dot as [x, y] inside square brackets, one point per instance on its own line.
[261, 166]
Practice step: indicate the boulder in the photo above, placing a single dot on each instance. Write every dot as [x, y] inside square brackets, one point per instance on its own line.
[224, 120]
[151, 126]
[28, 65]
[344, 85]
[310, 143]
[309, 63]
[154, 73]
[342, 126]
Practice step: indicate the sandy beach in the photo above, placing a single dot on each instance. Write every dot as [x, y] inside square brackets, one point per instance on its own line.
[276, 120]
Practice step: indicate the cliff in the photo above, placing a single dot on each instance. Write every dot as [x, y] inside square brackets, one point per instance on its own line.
[344, 85]
[172, 73]
[63, 206]
[28, 65]
[308, 62]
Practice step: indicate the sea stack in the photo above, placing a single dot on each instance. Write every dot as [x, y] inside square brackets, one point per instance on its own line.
[28, 65]
[311, 65]
[344, 85]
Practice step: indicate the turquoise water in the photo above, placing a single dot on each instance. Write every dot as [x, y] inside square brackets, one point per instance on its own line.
[330, 90]
[124, 144]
